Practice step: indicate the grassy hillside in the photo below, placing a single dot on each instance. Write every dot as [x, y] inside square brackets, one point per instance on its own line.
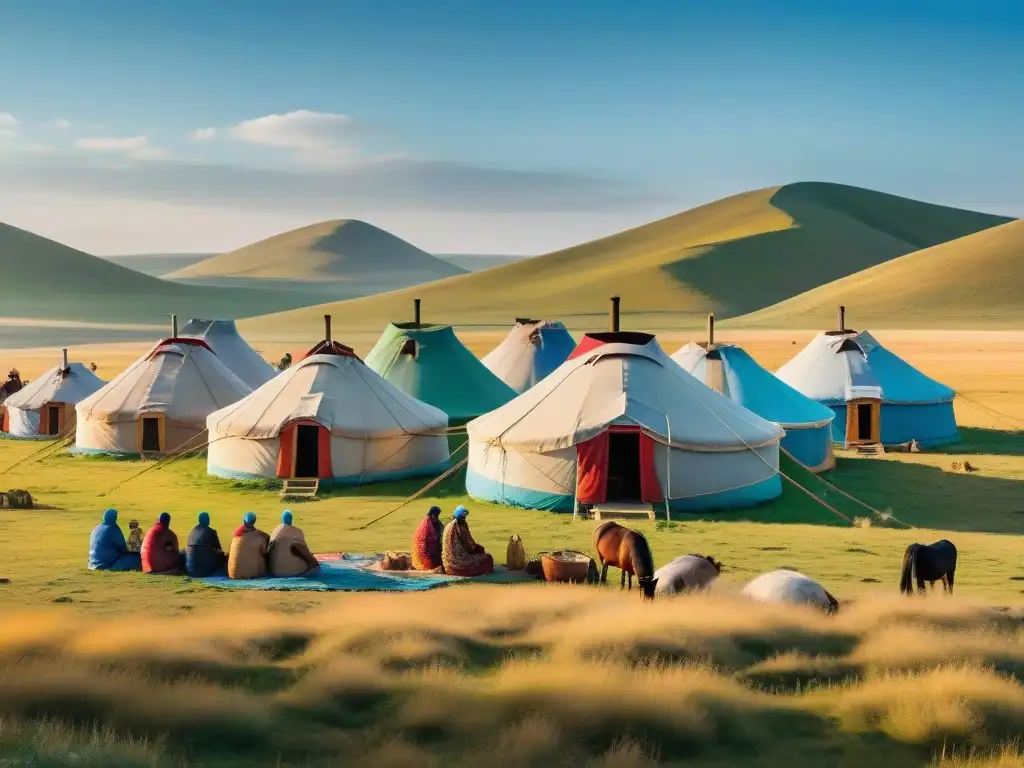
[472, 262]
[732, 256]
[975, 281]
[158, 264]
[347, 251]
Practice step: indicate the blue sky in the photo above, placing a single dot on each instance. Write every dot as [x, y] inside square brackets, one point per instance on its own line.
[505, 127]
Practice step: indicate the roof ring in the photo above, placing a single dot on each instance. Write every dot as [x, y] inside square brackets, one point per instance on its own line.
[849, 345]
[411, 348]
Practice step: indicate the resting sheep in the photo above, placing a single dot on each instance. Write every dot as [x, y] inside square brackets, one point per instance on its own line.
[686, 573]
[790, 587]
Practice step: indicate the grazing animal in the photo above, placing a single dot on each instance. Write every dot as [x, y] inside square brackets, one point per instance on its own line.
[928, 562]
[628, 551]
[791, 587]
[686, 573]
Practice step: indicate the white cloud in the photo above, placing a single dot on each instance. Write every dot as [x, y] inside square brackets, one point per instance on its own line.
[136, 147]
[8, 124]
[60, 123]
[38, 149]
[112, 144]
[302, 129]
[202, 134]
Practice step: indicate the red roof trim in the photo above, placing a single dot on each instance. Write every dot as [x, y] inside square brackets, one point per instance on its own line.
[331, 348]
[178, 340]
[592, 341]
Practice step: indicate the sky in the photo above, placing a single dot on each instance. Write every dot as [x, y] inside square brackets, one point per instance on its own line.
[478, 126]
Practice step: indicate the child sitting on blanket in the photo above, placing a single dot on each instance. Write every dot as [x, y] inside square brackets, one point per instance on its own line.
[134, 536]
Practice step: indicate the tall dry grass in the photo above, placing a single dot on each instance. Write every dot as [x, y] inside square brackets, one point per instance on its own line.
[554, 677]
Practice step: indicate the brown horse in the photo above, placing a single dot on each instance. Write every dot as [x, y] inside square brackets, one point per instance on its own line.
[628, 551]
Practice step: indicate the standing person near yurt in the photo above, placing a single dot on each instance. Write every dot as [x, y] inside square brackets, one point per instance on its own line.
[460, 554]
[108, 550]
[161, 555]
[426, 542]
[247, 558]
[288, 554]
[204, 555]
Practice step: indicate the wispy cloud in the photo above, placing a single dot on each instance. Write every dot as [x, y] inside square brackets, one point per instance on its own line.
[60, 124]
[136, 147]
[317, 139]
[8, 124]
[202, 134]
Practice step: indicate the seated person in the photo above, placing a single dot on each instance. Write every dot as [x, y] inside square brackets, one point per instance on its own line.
[288, 554]
[160, 553]
[134, 536]
[426, 542]
[107, 548]
[247, 558]
[203, 553]
[461, 555]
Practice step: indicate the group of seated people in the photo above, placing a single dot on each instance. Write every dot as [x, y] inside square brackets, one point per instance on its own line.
[449, 548]
[251, 555]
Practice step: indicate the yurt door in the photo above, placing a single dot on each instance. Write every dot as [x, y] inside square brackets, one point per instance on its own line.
[151, 434]
[307, 447]
[53, 422]
[862, 421]
[624, 466]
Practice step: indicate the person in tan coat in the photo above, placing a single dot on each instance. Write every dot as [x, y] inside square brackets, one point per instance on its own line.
[289, 555]
[247, 558]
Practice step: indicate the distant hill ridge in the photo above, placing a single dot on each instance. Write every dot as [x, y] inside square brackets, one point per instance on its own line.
[345, 250]
[733, 256]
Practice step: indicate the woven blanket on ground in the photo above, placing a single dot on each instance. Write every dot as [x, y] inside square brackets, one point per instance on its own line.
[356, 573]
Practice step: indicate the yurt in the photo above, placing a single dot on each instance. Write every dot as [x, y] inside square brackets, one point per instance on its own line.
[877, 396]
[619, 421]
[328, 417]
[431, 364]
[160, 403]
[45, 407]
[729, 370]
[532, 350]
[231, 349]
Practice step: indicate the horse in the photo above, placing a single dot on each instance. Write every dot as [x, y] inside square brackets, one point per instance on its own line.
[687, 572]
[928, 562]
[785, 586]
[628, 551]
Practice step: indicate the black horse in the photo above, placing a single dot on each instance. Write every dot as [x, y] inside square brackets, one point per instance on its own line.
[928, 562]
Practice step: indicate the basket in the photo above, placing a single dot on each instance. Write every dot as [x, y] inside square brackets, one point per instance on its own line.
[565, 566]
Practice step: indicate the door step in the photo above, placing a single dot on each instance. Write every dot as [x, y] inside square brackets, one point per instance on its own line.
[621, 511]
[875, 449]
[300, 489]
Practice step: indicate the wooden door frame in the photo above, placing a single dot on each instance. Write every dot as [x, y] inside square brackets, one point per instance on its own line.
[853, 422]
[161, 430]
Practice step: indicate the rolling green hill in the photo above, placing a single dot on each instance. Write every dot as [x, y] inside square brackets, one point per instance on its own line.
[733, 256]
[975, 281]
[337, 251]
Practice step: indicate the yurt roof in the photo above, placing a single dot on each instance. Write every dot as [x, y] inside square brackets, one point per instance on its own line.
[837, 367]
[755, 388]
[180, 378]
[337, 391]
[223, 338]
[530, 351]
[431, 364]
[616, 382]
[57, 385]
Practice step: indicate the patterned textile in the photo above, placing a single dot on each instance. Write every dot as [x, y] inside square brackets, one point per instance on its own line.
[426, 544]
[461, 555]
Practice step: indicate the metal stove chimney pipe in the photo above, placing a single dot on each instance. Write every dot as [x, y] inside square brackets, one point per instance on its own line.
[711, 330]
[842, 318]
[614, 318]
[327, 327]
[174, 326]
[416, 311]
[65, 358]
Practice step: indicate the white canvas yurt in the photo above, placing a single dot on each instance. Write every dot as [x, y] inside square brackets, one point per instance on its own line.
[160, 403]
[877, 396]
[531, 351]
[45, 407]
[330, 417]
[619, 421]
[231, 349]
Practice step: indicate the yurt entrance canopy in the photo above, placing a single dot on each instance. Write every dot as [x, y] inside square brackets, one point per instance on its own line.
[231, 349]
[160, 403]
[877, 396]
[621, 421]
[46, 405]
[729, 370]
[531, 351]
[431, 364]
[329, 417]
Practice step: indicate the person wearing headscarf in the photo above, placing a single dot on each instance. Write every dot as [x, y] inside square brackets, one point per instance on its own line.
[460, 554]
[203, 553]
[161, 555]
[247, 558]
[426, 542]
[289, 555]
[107, 548]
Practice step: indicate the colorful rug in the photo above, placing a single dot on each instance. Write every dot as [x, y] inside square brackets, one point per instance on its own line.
[356, 573]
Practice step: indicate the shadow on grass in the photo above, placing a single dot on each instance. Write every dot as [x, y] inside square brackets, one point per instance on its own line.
[990, 442]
